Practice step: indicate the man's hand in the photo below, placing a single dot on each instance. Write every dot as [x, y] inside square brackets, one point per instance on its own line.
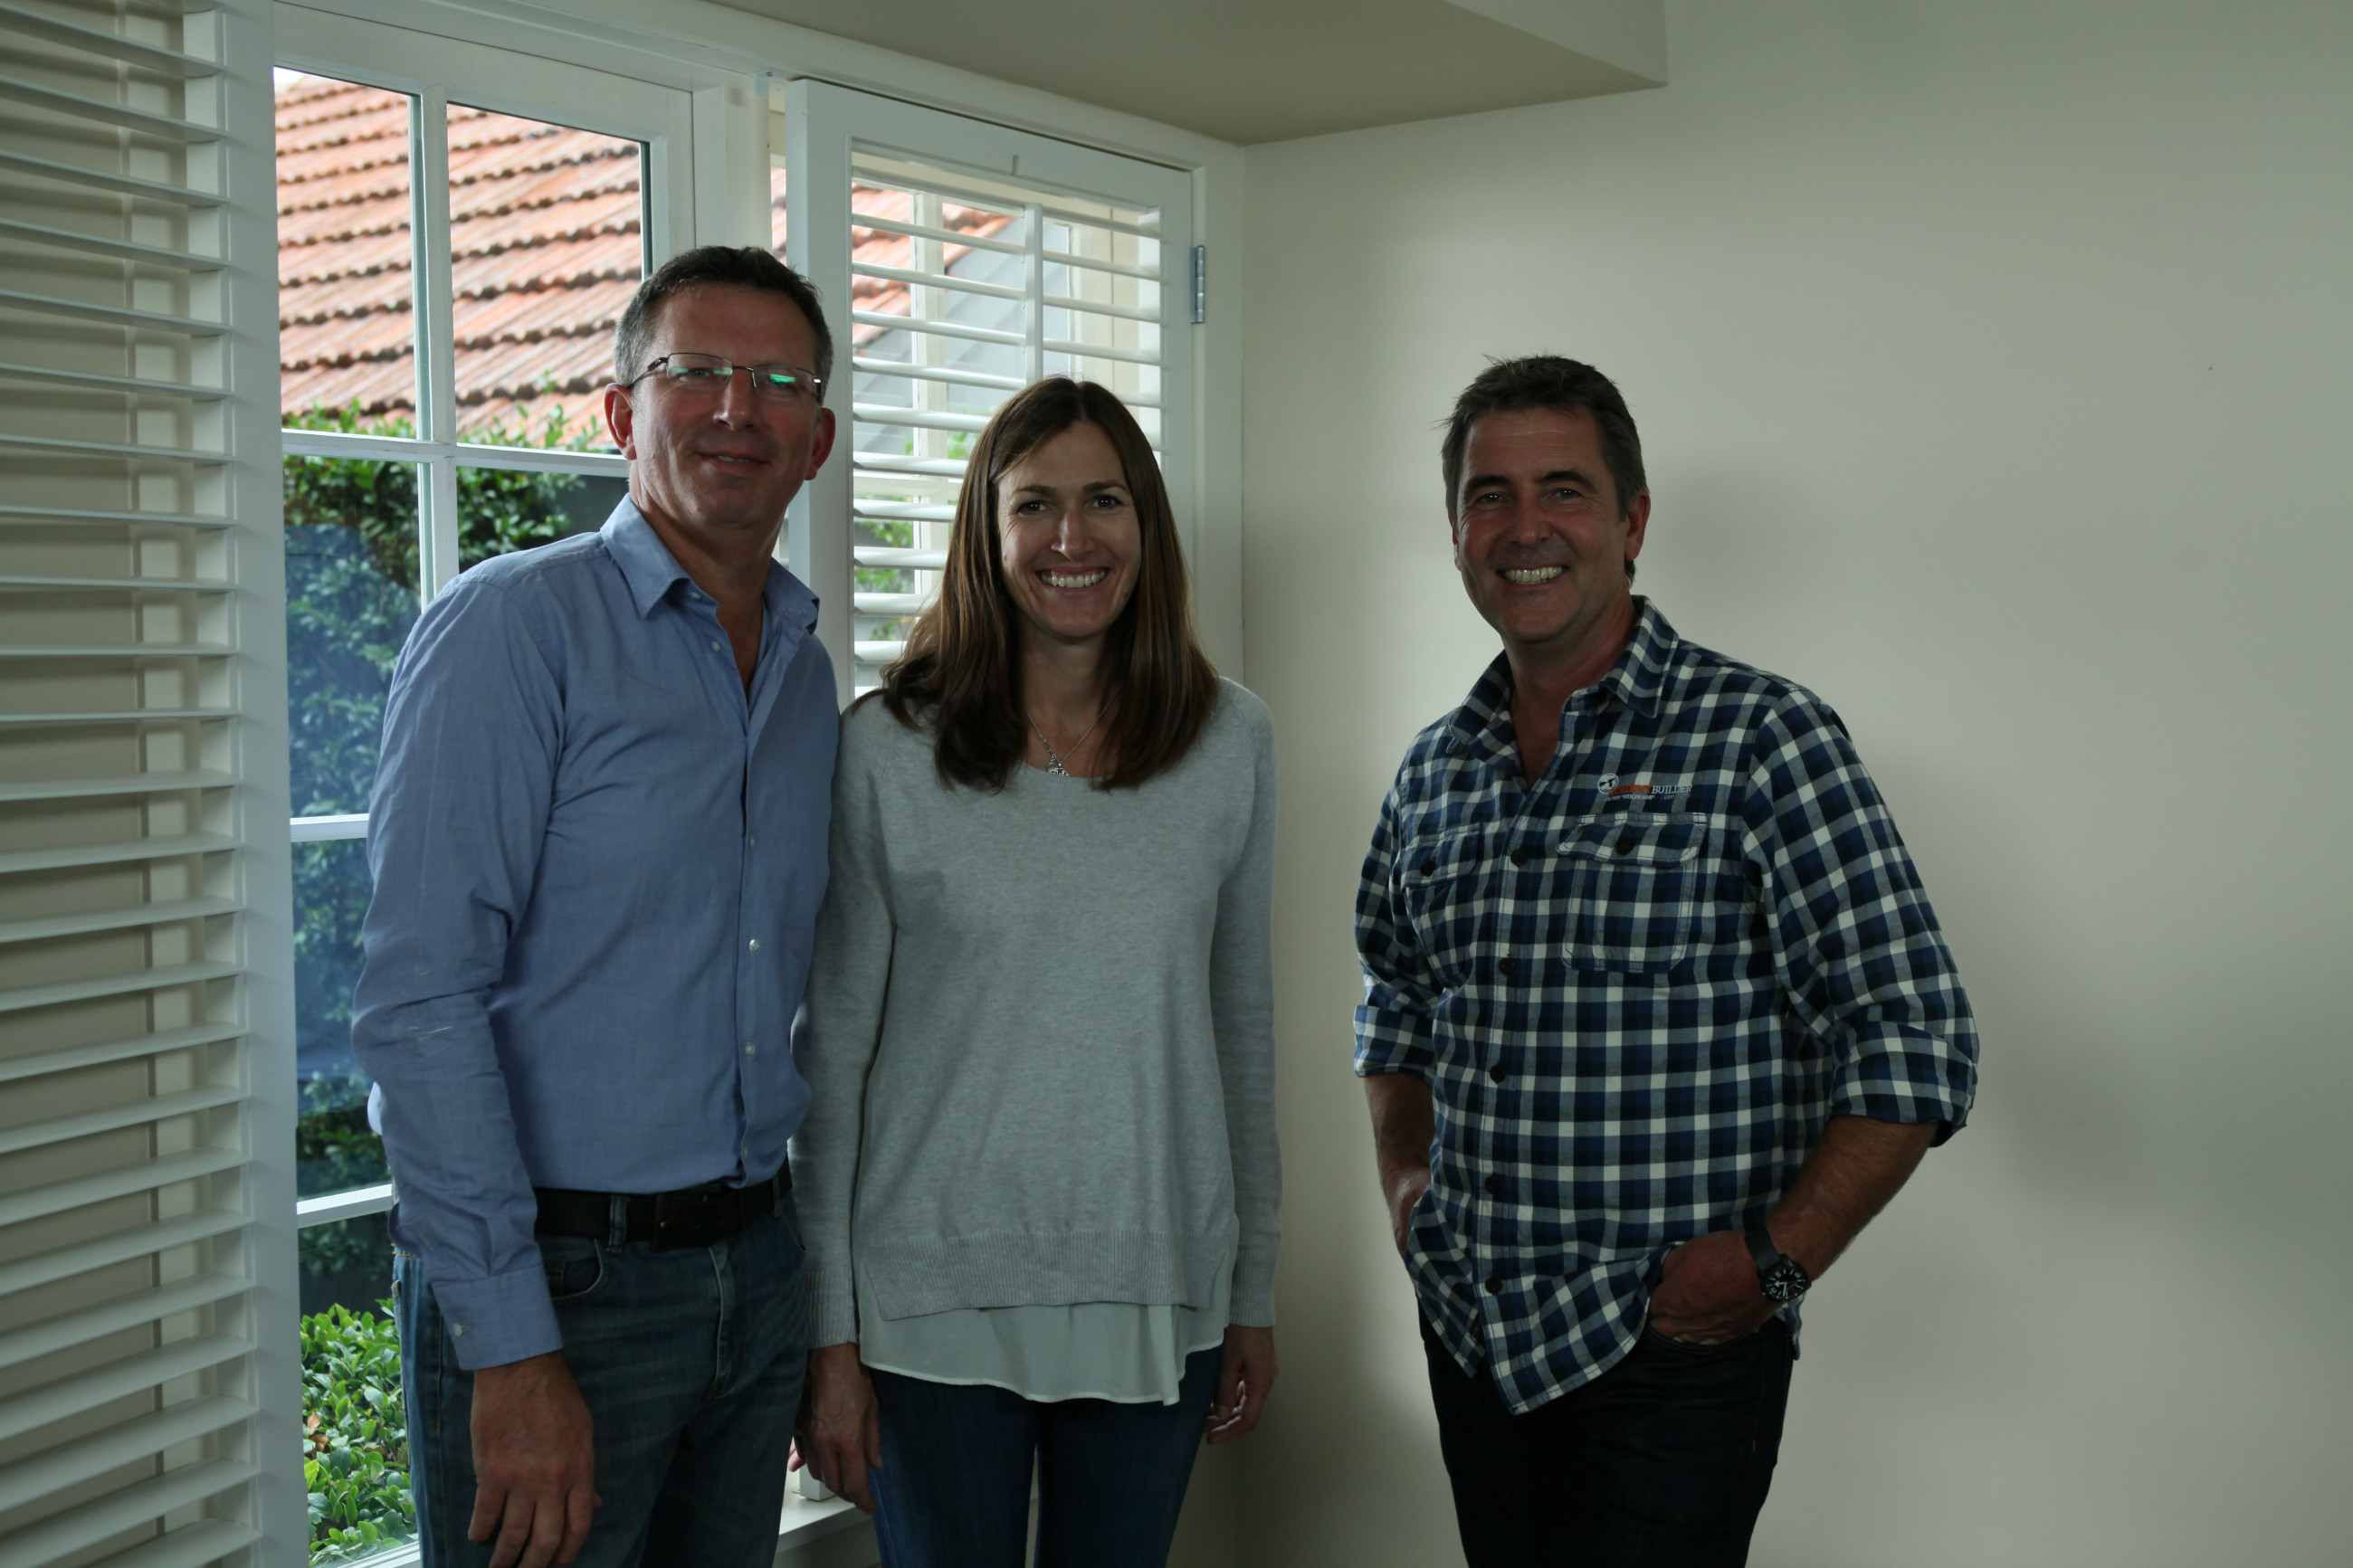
[1708, 1292]
[534, 1463]
[1405, 1122]
[840, 1435]
[1248, 1372]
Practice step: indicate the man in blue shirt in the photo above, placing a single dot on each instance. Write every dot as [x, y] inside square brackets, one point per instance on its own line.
[598, 838]
[1657, 1016]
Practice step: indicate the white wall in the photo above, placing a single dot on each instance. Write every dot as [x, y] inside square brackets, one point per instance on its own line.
[1996, 364]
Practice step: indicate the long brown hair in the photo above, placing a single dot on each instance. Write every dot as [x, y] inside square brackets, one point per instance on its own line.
[961, 672]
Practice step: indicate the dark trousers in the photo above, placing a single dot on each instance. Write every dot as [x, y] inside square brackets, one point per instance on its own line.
[1661, 1462]
[953, 1489]
[691, 1363]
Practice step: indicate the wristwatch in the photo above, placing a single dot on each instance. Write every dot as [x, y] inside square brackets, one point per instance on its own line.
[1782, 1279]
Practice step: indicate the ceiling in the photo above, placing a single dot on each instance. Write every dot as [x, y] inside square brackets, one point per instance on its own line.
[1267, 71]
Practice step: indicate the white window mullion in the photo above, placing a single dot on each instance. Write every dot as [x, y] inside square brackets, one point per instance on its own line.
[436, 367]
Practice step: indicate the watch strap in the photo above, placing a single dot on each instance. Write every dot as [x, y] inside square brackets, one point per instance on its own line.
[1761, 1248]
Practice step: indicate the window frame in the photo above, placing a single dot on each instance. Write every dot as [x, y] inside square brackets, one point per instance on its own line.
[373, 55]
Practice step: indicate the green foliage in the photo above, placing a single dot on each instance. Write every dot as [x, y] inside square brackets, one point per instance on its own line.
[356, 1435]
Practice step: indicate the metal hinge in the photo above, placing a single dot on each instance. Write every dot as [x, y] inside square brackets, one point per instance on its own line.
[1200, 283]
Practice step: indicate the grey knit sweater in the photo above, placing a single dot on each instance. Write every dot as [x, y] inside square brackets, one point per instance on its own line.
[1039, 1040]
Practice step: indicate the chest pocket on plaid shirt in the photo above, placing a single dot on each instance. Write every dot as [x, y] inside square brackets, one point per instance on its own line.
[1630, 890]
[1442, 879]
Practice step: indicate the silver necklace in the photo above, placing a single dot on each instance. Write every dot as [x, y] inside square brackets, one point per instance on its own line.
[1054, 758]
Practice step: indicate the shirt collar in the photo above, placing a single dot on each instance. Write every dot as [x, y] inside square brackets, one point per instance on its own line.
[652, 573]
[1638, 681]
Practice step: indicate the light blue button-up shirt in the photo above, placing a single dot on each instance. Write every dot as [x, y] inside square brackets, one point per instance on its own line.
[597, 862]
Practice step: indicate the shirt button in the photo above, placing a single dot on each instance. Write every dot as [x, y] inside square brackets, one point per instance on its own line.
[751, 839]
[1629, 844]
[1494, 1183]
[1519, 857]
[1430, 867]
[1507, 967]
[755, 944]
[1498, 1074]
[750, 1049]
[1494, 1284]
[714, 648]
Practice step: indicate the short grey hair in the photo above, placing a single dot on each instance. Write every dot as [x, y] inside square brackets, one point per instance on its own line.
[736, 267]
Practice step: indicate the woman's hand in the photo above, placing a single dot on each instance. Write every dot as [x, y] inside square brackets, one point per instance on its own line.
[840, 1430]
[1248, 1372]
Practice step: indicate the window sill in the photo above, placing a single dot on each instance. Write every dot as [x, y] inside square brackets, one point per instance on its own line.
[804, 1521]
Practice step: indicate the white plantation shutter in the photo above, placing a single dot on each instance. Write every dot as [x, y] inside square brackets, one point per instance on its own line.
[959, 261]
[146, 1414]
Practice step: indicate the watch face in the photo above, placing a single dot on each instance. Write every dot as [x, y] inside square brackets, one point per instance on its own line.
[1785, 1282]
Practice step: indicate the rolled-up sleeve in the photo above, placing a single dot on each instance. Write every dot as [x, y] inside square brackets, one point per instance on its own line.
[1856, 944]
[473, 735]
[1393, 1022]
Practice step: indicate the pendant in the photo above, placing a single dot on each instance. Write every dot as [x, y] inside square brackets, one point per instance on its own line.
[1054, 766]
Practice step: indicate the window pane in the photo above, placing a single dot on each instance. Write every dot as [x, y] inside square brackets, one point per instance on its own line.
[545, 249]
[334, 1152]
[347, 337]
[500, 510]
[350, 598]
[356, 1423]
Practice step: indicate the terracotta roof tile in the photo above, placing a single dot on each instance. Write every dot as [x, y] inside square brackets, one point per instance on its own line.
[545, 252]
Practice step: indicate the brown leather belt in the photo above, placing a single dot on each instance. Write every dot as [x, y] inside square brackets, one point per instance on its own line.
[695, 1216]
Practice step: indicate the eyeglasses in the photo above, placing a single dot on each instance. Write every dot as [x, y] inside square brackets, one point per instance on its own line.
[708, 376]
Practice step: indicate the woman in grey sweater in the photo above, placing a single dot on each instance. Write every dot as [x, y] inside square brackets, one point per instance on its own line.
[1038, 1175]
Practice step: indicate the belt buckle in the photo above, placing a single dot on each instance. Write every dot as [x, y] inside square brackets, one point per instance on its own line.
[688, 1219]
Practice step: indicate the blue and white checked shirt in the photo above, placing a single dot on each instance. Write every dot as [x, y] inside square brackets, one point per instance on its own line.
[598, 862]
[1638, 988]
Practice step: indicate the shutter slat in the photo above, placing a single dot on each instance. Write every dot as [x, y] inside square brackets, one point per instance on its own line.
[129, 585]
[162, 848]
[117, 783]
[123, 1312]
[118, 716]
[147, 56]
[103, 179]
[906, 560]
[888, 414]
[908, 324]
[111, 450]
[57, 1129]
[938, 374]
[79, 1528]
[1101, 307]
[54, 516]
[99, 244]
[158, 125]
[936, 280]
[113, 315]
[75, 1058]
[71, 1464]
[57, 1197]
[121, 919]
[163, 975]
[101, 382]
[53, 1402]
[65, 1262]
[190, 1546]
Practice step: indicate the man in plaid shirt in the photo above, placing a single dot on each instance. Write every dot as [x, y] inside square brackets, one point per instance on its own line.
[1656, 1017]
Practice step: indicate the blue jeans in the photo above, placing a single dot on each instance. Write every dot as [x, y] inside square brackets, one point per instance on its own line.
[690, 1362]
[1661, 1462]
[953, 1489]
